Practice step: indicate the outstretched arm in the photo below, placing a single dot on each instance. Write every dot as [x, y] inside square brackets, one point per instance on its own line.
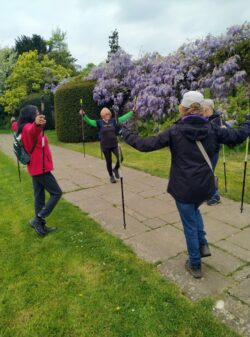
[147, 144]
[89, 121]
[231, 136]
[125, 117]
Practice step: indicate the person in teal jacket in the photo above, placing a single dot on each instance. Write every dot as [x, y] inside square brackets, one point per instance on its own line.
[108, 130]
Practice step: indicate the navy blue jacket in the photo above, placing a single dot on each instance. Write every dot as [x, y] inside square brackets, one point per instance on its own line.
[191, 179]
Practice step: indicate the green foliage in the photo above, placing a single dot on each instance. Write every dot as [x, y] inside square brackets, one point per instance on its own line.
[150, 127]
[238, 105]
[242, 48]
[7, 61]
[113, 44]
[86, 70]
[25, 44]
[29, 75]
[35, 99]
[67, 106]
[4, 119]
[58, 50]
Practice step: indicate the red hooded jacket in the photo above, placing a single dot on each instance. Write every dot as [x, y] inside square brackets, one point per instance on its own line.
[14, 126]
[30, 133]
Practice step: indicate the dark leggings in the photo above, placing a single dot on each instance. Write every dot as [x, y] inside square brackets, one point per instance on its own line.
[108, 157]
[42, 183]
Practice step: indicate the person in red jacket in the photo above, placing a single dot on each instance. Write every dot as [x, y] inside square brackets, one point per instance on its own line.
[30, 125]
[13, 124]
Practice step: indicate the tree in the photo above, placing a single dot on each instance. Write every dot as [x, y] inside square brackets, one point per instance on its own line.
[29, 75]
[58, 50]
[25, 44]
[87, 69]
[113, 44]
[7, 60]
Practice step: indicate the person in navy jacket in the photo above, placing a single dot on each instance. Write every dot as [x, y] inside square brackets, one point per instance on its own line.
[191, 180]
[29, 126]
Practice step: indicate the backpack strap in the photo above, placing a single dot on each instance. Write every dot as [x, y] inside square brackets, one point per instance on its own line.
[33, 146]
[204, 153]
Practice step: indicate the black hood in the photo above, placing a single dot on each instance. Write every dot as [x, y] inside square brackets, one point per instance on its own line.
[194, 128]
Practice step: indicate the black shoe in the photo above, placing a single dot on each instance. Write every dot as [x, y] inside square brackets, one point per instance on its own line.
[205, 251]
[36, 223]
[213, 201]
[195, 271]
[112, 180]
[116, 173]
[46, 228]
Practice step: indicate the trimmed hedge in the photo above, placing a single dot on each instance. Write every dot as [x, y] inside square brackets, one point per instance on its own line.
[4, 118]
[67, 106]
[35, 99]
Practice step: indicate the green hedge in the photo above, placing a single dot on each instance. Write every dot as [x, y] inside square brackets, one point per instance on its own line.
[35, 99]
[4, 118]
[67, 106]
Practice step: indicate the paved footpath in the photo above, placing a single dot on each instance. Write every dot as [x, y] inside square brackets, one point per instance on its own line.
[154, 229]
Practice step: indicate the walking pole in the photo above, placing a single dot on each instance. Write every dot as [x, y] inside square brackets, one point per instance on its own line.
[18, 164]
[101, 151]
[18, 168]
[224, 160]
[43, 157]
[83, 138]
[244, 176]
[121, 177]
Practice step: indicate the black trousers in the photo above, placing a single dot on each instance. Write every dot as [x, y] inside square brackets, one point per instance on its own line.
[42, 183]
[108, 157]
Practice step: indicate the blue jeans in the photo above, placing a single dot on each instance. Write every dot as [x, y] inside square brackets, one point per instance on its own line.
[193, 229]
[214, 162]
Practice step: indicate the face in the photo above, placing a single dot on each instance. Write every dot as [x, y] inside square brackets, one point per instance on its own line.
[207, 111]
[106, 114]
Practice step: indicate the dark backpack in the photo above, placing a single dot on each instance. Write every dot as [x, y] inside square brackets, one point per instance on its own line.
[22, 155]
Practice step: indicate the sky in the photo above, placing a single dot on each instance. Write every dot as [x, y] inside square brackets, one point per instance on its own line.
[144, 26]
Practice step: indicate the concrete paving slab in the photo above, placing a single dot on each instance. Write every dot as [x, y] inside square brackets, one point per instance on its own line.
[113, 222]
[242, 274]
[67, 186]
[231, 215]
[171, 217]
[212, 284]
[241, 239]
[235, 314]
[154, 223]
[234, 250]
[159, 244]
[223, 262]
[217, 230]
[242, 291]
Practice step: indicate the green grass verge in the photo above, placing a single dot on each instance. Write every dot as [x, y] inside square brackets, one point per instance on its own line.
[158, 163]
[81, 281]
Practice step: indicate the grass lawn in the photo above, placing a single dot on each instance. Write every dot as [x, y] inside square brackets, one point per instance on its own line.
[81, 281]
[158, 163]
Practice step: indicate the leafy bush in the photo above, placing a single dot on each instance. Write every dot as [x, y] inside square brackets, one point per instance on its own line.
[238, 105]
[67, 106]
[35, 99]
[4, 119]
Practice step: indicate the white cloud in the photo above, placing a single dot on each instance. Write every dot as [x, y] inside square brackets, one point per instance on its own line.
[159, 25]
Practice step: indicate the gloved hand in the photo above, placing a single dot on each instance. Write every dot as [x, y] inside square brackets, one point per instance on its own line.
[230, 124]
[125, 131]
[119, 129]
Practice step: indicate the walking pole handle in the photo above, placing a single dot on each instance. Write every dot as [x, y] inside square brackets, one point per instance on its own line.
[83, 138]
